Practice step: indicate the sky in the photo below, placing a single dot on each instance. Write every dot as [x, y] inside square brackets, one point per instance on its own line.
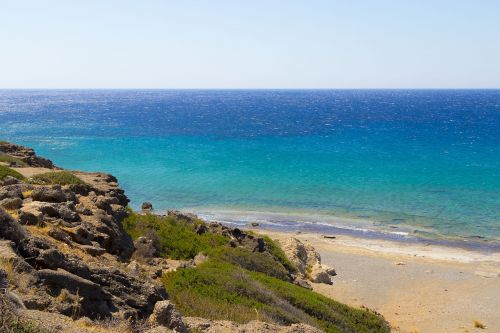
[250, 44]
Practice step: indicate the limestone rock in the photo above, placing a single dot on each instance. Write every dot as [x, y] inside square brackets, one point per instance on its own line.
[165, 314]
[306, 259]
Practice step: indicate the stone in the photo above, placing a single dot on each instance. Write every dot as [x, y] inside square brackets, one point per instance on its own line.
[147, 206]
[165, 314]
[52, 194]
[59, 235]
[9, 180]
[93, 250]
[11, 203]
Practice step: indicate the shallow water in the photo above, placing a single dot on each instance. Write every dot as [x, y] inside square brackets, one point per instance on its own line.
[422, 159]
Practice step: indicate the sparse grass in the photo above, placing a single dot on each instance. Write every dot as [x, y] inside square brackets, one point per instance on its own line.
[56, 178]
[478, 324]
[178, 240]
[6, 171]
[10, 159]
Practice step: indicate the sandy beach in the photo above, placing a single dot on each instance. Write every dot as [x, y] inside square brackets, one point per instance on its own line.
[417, 288]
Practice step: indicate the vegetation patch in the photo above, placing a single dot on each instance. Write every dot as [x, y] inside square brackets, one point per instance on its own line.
[238, 284]
[56, 178]
[220, 290]
[177, 239]
[6, 171]
[9, 159]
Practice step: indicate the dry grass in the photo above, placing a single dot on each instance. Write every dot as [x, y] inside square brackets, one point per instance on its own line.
[478, 324]
[8, 266]
[27, 194]
[14, 213]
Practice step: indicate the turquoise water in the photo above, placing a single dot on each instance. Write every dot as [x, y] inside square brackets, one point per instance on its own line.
[415, 160]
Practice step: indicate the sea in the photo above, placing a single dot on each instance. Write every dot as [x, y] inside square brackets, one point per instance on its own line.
[410, 165]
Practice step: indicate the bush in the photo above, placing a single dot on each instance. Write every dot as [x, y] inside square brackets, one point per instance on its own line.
[220, 290]
[178, 239]
[253, 261]
[5, 171]
[56, 178]
[240, 285]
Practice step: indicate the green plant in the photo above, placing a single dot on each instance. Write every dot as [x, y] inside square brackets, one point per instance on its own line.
[215, 288]
[178, 239]
[56, 178]
[6, 171]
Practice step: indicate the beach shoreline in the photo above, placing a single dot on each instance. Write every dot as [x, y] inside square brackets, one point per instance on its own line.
[360, 227]
[417, 288]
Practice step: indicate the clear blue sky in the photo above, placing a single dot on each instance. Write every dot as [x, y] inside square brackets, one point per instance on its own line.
[250, 44]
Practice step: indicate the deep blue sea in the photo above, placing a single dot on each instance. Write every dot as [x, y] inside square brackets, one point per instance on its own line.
[414, 162]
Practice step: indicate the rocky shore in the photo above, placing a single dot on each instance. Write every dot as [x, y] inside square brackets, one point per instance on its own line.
[67, 264]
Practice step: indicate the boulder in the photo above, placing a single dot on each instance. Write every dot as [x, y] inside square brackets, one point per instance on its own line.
[9, 180]
[147, 206]
[165, 314]
[53, 194]
[306, 259]
[11, 203]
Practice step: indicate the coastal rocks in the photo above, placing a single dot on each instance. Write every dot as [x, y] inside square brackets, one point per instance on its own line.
[165, 314]
[25, 154]
[307, 261]
[147, 207]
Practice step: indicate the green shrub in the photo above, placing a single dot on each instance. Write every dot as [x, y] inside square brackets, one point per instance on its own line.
[9, 159]
[6, 171]
[220, 290]
[253, 261]
[178, 239]
[240, 285]
[56, 178]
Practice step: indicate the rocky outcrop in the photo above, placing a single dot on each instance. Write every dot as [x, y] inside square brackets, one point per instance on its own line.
[307, 261]
[26, 155]
[67, 248]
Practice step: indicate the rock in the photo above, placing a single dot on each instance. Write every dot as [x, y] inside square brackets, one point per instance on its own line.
[330, 271]
[59, 235]
[94, 302]
[93, 250]
[302, 283]
[10, 229]
[200, 258]
[134, 267]
[81, 209]
[11, 192]
[11, 203]
[306, 259]
[9, 180]
[165, 314]
[146, 247]
[318, 275]
[52, 194]
[65, 211]
[147, 206]
[29, 215]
